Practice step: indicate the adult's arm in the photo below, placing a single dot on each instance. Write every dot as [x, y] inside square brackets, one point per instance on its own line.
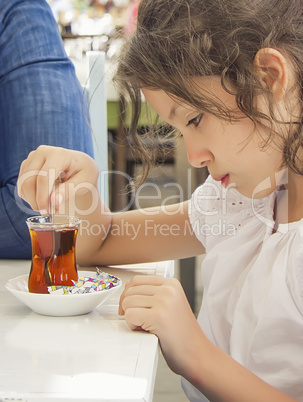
[41, 102]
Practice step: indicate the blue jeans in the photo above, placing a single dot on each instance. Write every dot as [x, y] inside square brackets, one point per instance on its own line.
[41, 102]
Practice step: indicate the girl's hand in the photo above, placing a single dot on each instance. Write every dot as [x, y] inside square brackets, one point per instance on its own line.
[49, 168]
[66, 180]
[158, 305]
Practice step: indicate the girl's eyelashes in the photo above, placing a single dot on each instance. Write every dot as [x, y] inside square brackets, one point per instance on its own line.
[195, 121]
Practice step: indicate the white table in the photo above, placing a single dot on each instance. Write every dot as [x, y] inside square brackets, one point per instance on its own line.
[93, 357]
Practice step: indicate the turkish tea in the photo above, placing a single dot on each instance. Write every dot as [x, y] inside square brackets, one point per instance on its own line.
[53, 253]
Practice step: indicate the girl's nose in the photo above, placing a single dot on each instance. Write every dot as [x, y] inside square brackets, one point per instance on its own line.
[198, 156]
[199, 160]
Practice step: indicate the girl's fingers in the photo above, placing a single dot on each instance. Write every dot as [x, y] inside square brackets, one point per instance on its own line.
[47, 180]
[57, 197]
[141, 301]
[147, 290]
[140, 284]
[36, 186]
[56, 172]
[26, 183]
[137, 318]
[27, 188]
[156, 297]
[36, 178]
[146, 280]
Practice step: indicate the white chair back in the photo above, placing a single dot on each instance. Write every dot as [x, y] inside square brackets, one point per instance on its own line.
[95, 91]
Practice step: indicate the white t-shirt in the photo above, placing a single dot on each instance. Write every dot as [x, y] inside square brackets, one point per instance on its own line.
[252, 304]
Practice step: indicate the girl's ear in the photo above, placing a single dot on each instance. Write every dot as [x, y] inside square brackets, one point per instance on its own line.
[273, 70]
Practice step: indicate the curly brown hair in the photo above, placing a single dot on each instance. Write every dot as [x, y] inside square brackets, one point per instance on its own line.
[179, 40]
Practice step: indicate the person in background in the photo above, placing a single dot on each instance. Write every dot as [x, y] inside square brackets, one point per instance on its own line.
[41, 102]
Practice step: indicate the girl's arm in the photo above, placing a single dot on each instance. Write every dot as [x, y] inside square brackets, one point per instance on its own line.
[69, 179]
[151, 234]
[159, 305]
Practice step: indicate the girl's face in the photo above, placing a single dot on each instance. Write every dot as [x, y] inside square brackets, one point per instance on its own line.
[231, 150]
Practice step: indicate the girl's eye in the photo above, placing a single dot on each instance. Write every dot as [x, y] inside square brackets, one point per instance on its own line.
[195, 121]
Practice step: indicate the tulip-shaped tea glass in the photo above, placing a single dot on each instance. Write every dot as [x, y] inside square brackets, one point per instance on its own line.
[53, 241]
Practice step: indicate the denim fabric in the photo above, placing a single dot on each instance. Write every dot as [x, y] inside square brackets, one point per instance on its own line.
[41, 102]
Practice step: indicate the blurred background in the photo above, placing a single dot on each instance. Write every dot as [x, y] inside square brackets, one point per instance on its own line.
[93, 24]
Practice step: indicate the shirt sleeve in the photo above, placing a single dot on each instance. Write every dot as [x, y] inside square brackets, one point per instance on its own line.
[41, 102]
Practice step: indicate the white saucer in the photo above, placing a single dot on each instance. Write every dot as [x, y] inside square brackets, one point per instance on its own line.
[59, 305]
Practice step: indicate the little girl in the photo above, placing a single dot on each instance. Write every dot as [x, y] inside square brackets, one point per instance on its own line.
[228, 75]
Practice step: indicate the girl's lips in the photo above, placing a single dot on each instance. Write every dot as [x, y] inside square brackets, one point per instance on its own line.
[224, 180]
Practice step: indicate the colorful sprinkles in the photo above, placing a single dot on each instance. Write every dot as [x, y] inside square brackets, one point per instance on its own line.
[87, 284]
